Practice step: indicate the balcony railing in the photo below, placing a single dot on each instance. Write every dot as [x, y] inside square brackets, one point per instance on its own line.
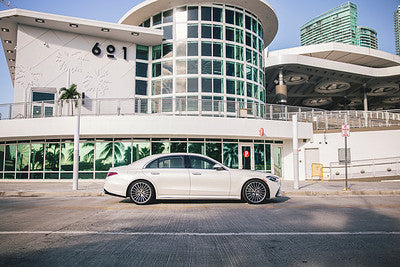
[321, 119]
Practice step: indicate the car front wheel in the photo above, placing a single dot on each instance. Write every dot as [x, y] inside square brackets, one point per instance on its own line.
[255, 192]
[141, 192]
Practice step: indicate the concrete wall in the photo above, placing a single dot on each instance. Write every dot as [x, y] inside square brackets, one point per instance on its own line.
[51, 59]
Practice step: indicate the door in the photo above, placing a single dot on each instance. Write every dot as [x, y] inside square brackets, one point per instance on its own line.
[42, 102]
[205, 180]
[246, 156]
[311, 156]
[277, 160]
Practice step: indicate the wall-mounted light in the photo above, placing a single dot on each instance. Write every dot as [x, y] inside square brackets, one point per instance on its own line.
[7, 41]
[11, 59]
[12, 67]
[105, 30]
[39, 20]
[10, 51]
[73, 25]
[135, 33]
[5, 30]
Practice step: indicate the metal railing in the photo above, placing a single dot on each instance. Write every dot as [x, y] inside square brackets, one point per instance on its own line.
[370, 168]
[192, 106]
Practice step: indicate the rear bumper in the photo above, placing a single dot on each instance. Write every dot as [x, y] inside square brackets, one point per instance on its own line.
[111, 194]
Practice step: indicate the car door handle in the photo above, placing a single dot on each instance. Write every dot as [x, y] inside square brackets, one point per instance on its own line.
[196, 173]
[155, 173]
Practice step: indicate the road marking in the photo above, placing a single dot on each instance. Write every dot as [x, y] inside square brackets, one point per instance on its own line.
[196, 234]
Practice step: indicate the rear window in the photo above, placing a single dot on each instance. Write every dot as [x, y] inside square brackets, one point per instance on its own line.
[174, 162]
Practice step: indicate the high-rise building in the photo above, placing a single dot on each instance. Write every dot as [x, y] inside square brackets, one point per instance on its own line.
[338, 25]
[397, 29]
[367, 37]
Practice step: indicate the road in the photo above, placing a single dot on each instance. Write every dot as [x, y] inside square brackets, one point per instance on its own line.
[110, 231]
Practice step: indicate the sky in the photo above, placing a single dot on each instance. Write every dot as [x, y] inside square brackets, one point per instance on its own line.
[292, 14]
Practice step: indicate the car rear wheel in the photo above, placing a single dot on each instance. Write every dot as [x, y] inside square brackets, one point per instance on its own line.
[141, 192]
[255, 191]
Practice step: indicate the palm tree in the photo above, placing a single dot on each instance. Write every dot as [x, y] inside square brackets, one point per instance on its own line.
[70, 94]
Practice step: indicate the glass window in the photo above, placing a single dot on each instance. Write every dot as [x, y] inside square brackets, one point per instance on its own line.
[180, 147]
[217, 32]
[86, 156]
[230, 34]
[249, 87]
[239, 53]
[206, 13]
[23, 157]
[193, 49]
[167, 104]
[167, 68]
[167, 32]
[255, 86]
[217, 49]
[146, 23]
[206, 85]
[67, 156]
[239, 36]
[214, 151]
[206, 103]
[206, 66]
[206, 49]
[37, 156]
[181, 14]
[206, 31]
[142, 52]
[248, 22]
[181, 49]
[141, 69]
[248, 39]
[192, 66]
[192, 85]
[159, 147]
[193, 103]
[230, 86]
[156, 52]
[40, 96]
[254, 42]
[180, 85]
[239, 19]
[260, 31]
[268, 157]
[181, 66]
[255, 75]
[230, 51]
[217, 67]
[217, 14]
[248, 56]
[156, 88]
[168, 16]
[201, 163]
[230, 68]
[193, 31]
[231, 155]
[122, 153]
[230, 104]
[240, 87]
[156, 69]
[239, 70]
[254, 26]
[197, 148]
[141, 87]
[217, 86]
[249, 73]
[167, 86]
[103, 155]
[52, 157]
[140, 150]
[157, 19]
[1, 158]
[167, 50]
[174, 162]
[193, 13]
[230, 16]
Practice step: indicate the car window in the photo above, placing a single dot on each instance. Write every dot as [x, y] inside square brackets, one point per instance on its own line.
[201, 163]
[174, 162]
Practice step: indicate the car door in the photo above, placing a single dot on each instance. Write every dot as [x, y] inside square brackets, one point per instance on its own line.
[205, 180]
[169, 175]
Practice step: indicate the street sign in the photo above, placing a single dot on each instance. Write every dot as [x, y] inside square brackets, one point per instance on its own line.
[246, 154]
[345, 130]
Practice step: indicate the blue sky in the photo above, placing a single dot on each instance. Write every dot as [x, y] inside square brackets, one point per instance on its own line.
[292, 14]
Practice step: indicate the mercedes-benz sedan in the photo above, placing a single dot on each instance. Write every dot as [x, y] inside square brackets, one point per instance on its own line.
[188, 176]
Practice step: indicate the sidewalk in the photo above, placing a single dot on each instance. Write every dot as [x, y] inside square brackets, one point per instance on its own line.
[95, 188]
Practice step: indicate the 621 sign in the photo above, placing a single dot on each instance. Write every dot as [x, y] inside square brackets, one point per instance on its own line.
[96, 50]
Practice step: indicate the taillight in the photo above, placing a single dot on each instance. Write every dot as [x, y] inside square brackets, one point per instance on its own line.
[111, 174]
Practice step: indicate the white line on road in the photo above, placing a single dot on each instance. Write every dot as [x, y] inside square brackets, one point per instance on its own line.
[196, 234]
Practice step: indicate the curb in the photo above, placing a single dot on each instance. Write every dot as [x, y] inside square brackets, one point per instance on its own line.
[50, 194]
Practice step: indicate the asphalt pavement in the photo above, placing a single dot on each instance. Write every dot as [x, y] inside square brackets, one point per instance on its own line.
[15, 188]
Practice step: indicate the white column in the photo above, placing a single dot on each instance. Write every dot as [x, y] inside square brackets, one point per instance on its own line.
[295, 153]
[76, 147]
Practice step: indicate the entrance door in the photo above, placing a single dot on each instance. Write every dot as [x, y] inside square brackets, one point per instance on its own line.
[277, 160]
[246, 156]
[312, 156]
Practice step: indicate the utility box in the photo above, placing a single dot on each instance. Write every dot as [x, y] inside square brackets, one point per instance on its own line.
[341, 155]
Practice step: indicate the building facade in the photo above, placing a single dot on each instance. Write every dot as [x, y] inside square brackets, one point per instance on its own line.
[340, 25]
[396, 17]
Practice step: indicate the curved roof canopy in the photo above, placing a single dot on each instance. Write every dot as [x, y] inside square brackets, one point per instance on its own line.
[260, 8]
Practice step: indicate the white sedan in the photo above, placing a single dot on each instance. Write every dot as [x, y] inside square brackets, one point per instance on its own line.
[188, 176]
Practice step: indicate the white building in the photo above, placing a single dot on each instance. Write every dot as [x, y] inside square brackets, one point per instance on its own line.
[169, 77]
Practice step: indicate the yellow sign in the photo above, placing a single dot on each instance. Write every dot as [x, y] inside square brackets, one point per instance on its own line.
[317, 171]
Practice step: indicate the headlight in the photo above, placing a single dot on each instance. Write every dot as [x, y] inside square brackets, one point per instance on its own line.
[273, 178]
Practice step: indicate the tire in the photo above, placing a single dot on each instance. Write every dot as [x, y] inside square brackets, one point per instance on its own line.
[255, 191]
[141, 192]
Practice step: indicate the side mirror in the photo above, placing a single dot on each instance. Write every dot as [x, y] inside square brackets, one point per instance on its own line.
[218, 167]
